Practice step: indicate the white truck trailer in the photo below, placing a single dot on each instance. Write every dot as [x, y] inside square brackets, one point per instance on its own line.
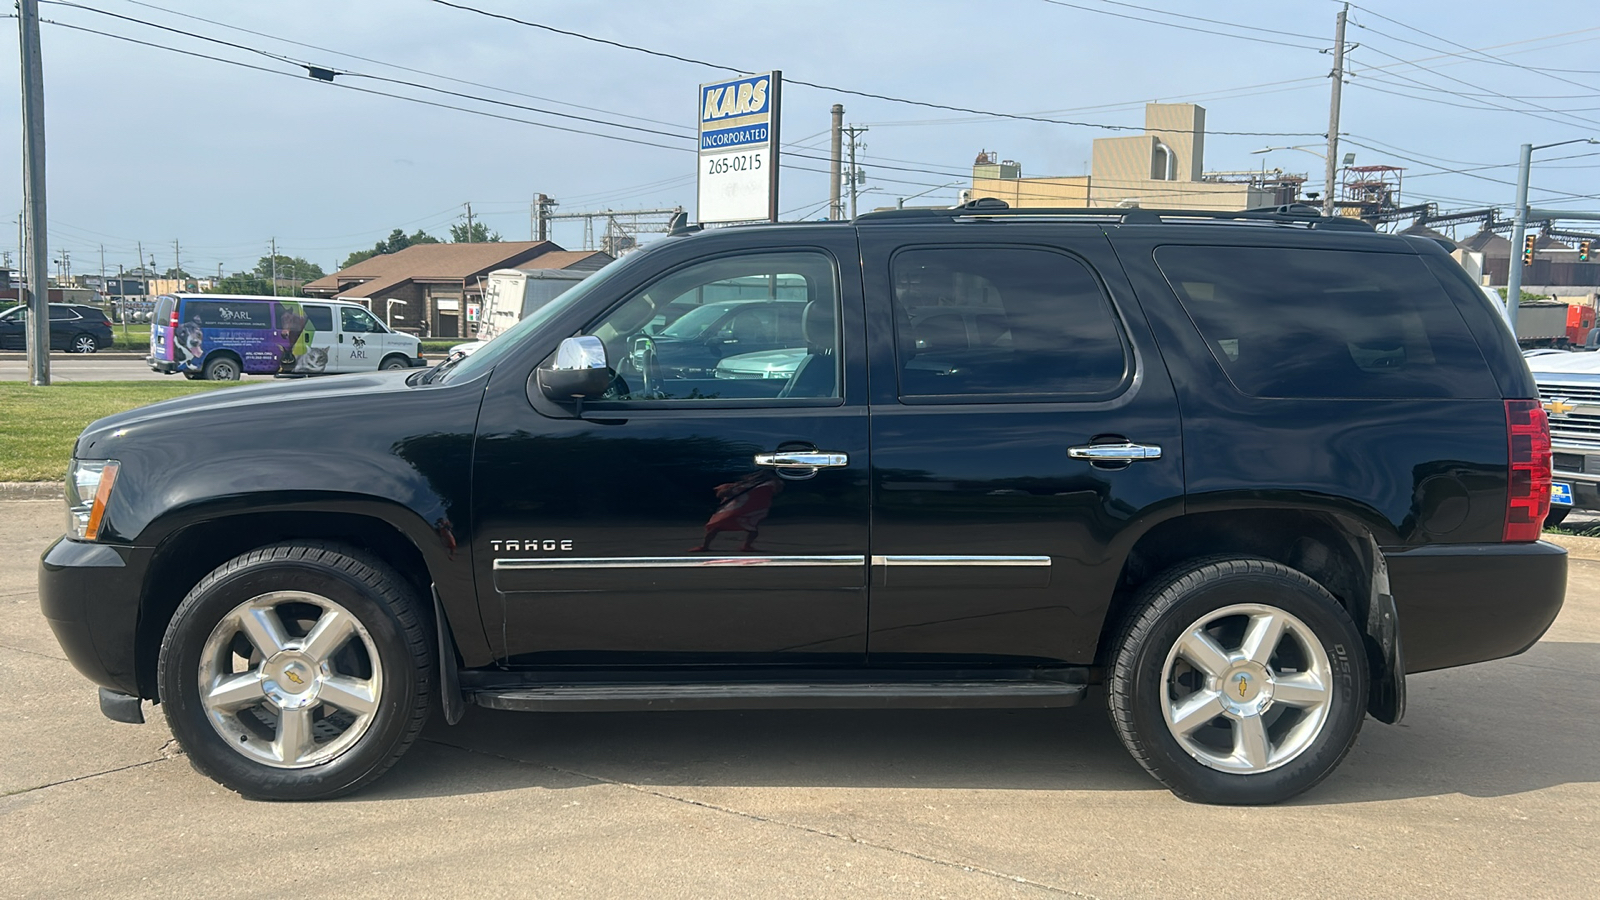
[510, 294]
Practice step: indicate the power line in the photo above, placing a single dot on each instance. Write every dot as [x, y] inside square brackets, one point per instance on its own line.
[789, 80]
[1146, 21]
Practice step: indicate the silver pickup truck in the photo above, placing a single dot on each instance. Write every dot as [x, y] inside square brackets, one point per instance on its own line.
[1569, 386]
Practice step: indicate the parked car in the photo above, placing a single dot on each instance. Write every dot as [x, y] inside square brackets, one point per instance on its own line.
[1243, 472]
[219, 337]
[74, 327]
[1569, 386]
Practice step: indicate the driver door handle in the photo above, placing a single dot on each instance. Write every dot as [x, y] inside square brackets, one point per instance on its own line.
[803, 459]
[1114, 452]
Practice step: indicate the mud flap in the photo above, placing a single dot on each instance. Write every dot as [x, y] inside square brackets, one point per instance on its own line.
[455, 705]
[1386, 699]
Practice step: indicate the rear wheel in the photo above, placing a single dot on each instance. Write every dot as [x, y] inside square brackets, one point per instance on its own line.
[84, 343]
[1558, 514]
[222, 368]
[297, 672]
[1238, 681]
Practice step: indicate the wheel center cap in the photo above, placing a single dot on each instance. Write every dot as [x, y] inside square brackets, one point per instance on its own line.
[290, 681]
[1247, 689]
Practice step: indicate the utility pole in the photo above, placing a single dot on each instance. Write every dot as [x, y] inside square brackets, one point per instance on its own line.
[274, 267]
[855, 175]
[177, 263]
[103, 291]
[38, 262]
[144, 275]
[1333, 113]
[1519, 225]
[122, 300]
[835, 208]
[471, 238]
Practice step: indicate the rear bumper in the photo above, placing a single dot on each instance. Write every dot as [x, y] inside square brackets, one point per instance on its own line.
[89, 594]
[164, 366]
[1468, 603]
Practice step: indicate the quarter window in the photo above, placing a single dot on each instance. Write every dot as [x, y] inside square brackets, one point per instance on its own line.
[1016, 324]
[1327, 323]
[749, 327]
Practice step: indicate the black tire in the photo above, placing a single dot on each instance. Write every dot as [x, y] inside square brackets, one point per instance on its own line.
[83, 343]
[222, 368]
[379, 600]
[1558, 514]
[1183, 598]
[394, 362]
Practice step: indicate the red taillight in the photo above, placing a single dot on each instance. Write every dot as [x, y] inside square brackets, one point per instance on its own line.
[1528, 493]
[172, 321]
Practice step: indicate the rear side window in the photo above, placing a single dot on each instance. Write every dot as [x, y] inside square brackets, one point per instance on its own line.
[228, 313]
[1327, 323]
[163, 310]
[321, 318]
[996, 321]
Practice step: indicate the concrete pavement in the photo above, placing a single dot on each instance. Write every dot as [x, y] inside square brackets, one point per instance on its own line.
[1490, 788]
[118, 367]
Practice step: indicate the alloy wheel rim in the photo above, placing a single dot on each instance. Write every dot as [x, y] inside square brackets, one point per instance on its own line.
[86, 345]
[290, 679]
[1246, 689]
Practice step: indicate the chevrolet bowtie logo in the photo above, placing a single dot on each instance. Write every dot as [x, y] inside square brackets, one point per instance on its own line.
[1559, 406]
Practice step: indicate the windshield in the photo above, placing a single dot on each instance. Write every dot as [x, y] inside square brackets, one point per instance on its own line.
[491, 353]
[695, 322]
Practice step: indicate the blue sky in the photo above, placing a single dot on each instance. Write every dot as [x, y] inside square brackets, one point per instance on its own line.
[147, 144]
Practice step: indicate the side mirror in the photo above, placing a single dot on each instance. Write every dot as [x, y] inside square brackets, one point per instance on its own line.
[579, 372]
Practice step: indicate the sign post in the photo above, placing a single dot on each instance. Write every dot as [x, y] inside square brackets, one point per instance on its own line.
[738, 159]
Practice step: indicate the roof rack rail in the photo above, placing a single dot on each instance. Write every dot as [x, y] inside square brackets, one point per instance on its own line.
[990, 207]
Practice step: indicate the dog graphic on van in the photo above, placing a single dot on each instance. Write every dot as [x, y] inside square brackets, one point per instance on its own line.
[187, 343]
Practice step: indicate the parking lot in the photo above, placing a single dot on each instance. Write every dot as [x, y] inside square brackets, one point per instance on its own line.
[1491, 787]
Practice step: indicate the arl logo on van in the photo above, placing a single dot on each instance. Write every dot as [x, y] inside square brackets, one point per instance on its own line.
[739, 99]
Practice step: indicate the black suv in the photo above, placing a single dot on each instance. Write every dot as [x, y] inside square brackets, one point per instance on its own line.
[1243, 471]
[74, 327]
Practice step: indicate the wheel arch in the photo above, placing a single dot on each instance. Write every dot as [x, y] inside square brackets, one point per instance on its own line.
[1337, 551]
[205, 540]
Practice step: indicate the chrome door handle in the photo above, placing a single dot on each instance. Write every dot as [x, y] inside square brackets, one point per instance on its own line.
[1114, 452]
[803, 459]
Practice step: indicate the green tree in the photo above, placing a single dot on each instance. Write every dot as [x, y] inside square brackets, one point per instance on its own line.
[178, 273]
[291, 268]
[479, 233]
[247, 283]
[1526, 297]
[396, 241]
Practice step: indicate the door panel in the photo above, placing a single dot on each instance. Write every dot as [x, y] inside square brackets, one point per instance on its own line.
[646, 532]
[991, 359]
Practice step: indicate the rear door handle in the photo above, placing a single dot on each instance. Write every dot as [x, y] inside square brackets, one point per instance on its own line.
[1114, 452]
[803, 459]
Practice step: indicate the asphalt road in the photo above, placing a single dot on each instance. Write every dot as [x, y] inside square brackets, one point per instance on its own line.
[1491, 788]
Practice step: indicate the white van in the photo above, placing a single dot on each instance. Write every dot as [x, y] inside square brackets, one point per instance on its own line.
[219, 337]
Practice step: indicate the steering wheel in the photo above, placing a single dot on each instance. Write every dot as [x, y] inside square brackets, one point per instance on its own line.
[644, 358]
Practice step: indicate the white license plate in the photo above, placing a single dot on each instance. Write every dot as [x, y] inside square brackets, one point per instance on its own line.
[1560, 494]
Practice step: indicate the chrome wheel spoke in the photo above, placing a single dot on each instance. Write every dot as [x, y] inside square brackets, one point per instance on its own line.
[264, 629]
[1250, 743]
[1261, 637]
[328, 635]
[353, 695]
[235, 692]
[1302, 689]
[1194, 711]
[293, 741]
[1203, 653]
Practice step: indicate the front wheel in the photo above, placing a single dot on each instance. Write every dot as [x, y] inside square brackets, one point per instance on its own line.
[1238, 681]
[300, 671]
[394, 362]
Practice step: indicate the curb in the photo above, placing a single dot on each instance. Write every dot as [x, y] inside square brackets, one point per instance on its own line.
[31, 490]
[1577, 545]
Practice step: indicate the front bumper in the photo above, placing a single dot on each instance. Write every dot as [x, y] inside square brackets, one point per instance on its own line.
[1466, 603]
[417, 362]
[89, 593]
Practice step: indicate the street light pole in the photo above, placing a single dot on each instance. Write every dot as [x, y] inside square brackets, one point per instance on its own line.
[1519, 225]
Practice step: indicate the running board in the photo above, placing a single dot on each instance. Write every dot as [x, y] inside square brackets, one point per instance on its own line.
[783, 695]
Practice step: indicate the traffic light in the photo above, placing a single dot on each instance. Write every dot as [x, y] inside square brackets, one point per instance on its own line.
[1527, 249]
[1583, 251]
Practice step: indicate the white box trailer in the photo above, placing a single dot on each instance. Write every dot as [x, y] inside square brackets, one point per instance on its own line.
[510, 294]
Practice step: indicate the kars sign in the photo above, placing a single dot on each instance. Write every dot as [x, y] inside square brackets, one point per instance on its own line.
[738, 174]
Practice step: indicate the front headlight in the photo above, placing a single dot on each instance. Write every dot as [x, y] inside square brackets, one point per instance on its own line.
[89, 484]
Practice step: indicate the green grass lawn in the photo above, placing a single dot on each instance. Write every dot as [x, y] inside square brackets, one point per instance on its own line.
[42, 422]
[138, 339]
